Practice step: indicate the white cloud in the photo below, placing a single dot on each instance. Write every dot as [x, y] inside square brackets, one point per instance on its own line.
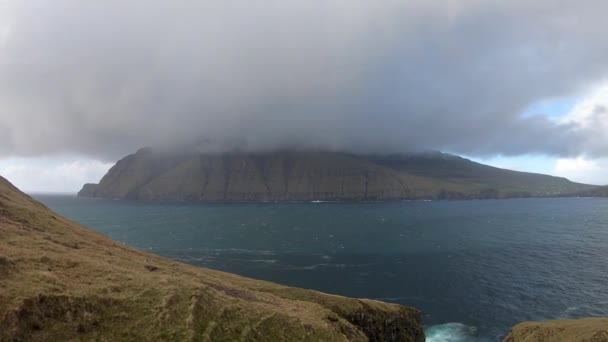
[581, 169]
[590, 115]
[52, 175]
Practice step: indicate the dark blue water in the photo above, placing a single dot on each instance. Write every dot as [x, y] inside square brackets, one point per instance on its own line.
[474, 267]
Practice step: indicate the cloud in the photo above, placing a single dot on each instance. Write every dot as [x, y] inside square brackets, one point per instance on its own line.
[104, 78]
[584, 170]
[590, 116]
[524, 163]
[56, 175]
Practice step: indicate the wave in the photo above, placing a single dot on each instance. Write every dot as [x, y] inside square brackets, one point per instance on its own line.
[451, 332]
[315, 266]
[264, 261]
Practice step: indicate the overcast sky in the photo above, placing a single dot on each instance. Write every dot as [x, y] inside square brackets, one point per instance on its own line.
[520, 84]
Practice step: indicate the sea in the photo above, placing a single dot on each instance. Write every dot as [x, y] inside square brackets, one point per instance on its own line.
[474, 268]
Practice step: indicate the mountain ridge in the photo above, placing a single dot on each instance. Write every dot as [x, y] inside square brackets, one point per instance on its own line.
[316, 175]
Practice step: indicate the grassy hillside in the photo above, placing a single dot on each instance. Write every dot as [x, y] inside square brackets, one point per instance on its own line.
[288, 176]
[60, 281]
[578, 330]
[462, 171]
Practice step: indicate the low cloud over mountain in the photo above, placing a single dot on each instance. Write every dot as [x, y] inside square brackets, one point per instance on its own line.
[104, 78]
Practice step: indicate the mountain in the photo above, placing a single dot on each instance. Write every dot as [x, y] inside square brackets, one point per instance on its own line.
[60, 281]
[304, 176]
[475, 176]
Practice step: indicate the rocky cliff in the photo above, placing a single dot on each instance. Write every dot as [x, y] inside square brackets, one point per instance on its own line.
[601, 191]
[60, 281]
[579, 330]
[88, 190]
[303, 176]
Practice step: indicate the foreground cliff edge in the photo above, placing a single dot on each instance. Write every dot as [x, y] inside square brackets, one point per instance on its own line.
[60, 281]
[583, 330]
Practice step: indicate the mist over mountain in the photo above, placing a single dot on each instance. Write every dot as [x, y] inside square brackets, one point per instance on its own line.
[101, 79]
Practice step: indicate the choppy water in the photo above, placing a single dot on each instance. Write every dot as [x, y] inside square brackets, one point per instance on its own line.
[474, 267]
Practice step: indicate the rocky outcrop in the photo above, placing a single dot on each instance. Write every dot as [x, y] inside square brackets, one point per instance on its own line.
[60, 281]
[578, 330]
[88, 190]
[306, 176]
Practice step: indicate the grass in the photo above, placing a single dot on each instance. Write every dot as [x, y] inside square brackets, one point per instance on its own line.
[584, 330]
[60, 281]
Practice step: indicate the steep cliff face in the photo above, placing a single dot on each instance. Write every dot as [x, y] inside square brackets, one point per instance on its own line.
[579, 330]
[295, 176]
[249, 177]
[88, 190]
[60, 281]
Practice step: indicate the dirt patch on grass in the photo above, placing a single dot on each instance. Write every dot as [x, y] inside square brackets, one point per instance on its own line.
[6, 266]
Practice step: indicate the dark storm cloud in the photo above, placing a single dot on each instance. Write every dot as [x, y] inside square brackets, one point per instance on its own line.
[106, 77]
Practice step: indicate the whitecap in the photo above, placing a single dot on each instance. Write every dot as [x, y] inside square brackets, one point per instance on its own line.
[451, 332]
[264, 261]
[315, 266]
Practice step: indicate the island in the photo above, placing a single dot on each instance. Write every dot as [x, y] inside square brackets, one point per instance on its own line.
[155, 174]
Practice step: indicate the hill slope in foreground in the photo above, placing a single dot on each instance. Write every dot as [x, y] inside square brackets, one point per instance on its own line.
[60, 281]
[305, 176]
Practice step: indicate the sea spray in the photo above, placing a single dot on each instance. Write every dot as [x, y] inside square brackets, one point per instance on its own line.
[451, 332]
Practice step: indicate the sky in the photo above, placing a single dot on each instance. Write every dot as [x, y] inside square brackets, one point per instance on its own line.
[515, 84]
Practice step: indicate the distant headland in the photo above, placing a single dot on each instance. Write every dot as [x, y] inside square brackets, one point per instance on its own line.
[317, 175]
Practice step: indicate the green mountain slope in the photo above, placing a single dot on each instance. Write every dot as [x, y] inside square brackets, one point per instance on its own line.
[458, 170]
[303, 176]
[60, 281]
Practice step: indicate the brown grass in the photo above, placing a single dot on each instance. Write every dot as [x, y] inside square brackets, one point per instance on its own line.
[583, 330]
[61, 281]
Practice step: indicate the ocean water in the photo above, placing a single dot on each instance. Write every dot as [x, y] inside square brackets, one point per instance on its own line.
[475, 268]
